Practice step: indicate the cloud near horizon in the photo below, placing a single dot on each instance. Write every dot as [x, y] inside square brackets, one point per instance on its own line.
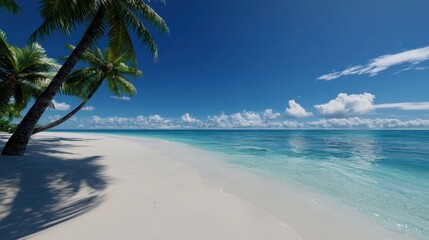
[271, 115]
[405, 105]
[359, 123]
[188, 119]
[352, 105]
[379, 64]
[345, 105]
[345, 112]
[249, 121]
[296, 111]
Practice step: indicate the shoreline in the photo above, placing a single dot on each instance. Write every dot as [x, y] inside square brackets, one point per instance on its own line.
[166, 190]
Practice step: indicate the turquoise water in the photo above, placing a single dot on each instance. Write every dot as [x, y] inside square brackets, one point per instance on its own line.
[381, 173]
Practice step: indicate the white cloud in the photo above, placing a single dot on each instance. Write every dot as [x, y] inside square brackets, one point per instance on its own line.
[245, 119]
[270, 115]
[376, 65]
[109, 120]
[88, 108]
[295, 110]
[345, 105]
[378, 123]
[60, 106]
[188, 119]
[121, 98]
[220, 121]
[249, 120]
[405, 105]
[139, 122]
[155, 118]
[342, 112]
[54, 118]
[421, 68]
[292, 124]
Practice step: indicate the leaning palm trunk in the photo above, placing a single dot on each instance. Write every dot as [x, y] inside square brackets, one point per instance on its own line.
[70, 114]
[17, 143]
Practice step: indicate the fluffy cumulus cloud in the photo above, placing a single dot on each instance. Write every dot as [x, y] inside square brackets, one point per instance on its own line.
[379, 64]
[60, 106]
[292, 124]
[271, 115]
[248, 120]
[125, 98]
[139, 122]
[345, 105]
[188, 119]
[109, 120]
[244, 119]
[88, 108]
[295, 110]
[218, 121]
[377, 123]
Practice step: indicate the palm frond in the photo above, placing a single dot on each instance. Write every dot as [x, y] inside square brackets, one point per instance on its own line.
[62, 16]
[146, 12]
[33, 58]
[124, 85]
[89, 56]
[22, 72]
[77, 83]
[7, 58]
[119, 38]
[10, 5]
[135, 25]
[122, 68]
[113, 86]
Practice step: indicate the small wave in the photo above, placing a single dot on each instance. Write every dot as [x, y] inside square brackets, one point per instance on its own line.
[253, 150]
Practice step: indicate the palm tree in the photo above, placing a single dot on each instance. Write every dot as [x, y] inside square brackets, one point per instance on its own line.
[86, 81]
[10, 5]
[24, 73]
[118, 17]
[10, 113]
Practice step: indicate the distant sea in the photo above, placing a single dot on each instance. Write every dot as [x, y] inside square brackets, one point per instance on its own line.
[381, 173]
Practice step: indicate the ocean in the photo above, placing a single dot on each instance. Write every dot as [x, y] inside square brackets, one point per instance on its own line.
[384, 174]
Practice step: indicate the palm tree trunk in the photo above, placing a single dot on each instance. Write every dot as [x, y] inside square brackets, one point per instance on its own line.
[70, 114]
[17, 143]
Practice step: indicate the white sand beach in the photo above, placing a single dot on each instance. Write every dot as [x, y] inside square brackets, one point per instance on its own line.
[93, 186]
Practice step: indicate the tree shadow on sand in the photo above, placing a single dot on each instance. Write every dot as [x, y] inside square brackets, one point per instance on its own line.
[43, 188]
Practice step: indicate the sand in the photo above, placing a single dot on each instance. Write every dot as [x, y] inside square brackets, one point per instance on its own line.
[93, 186]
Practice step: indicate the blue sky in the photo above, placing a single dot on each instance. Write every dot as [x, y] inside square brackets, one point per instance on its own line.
[265, 64]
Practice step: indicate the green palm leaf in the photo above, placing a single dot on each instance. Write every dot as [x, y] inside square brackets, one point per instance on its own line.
[23, 72]
[10, 5]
